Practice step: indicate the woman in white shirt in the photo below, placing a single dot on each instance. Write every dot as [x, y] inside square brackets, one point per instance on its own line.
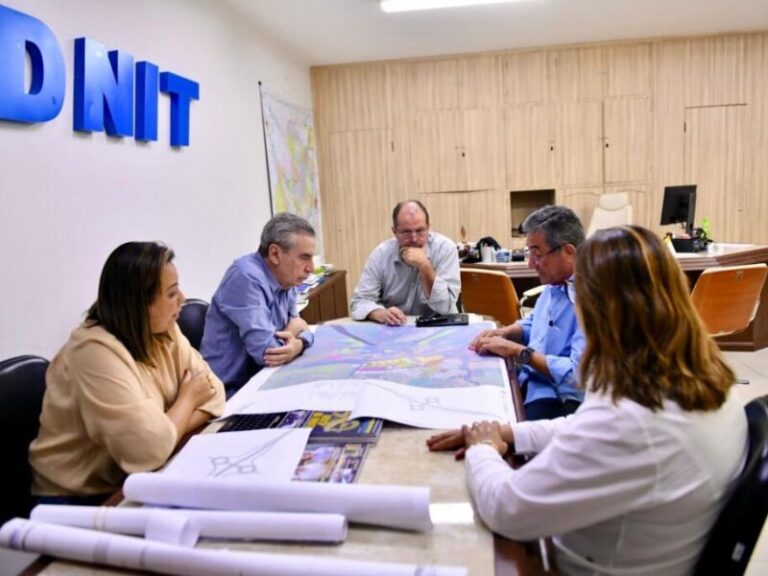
[634, 480]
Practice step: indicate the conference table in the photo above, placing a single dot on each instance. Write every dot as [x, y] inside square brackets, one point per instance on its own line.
[399, 457]
[755, 337]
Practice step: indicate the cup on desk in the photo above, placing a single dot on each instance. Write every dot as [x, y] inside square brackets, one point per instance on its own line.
[503, 255]
[487, 254]
[715, 248]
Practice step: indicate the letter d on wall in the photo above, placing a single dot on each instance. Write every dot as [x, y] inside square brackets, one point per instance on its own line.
[21, 34]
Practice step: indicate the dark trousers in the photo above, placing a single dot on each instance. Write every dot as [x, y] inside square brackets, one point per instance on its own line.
[549, 408]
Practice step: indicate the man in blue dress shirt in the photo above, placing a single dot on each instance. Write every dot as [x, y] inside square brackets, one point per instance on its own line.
[547, 344]
[252, 321]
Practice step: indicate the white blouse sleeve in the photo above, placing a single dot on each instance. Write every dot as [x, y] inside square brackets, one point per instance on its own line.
[597, 466]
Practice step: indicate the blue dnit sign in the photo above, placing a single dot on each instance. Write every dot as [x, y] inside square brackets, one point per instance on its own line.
[106, 84]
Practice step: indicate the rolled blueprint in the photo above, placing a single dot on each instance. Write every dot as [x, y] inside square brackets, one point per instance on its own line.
[130, 552]
[404, 507]
[154, 524]
[211, 524]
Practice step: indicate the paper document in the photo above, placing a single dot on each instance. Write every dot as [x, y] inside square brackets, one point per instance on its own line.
[210, 523]
[139, 554]
[432, 407]
[404, 507]
[269, 454]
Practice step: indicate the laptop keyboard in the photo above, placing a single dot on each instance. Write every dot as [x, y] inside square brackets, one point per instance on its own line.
[239, 422]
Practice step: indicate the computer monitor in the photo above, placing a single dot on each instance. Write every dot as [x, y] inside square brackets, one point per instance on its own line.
[679, 206]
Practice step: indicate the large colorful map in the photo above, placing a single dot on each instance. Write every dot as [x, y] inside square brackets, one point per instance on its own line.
[423, 377]
[292, 160]
[424, 357]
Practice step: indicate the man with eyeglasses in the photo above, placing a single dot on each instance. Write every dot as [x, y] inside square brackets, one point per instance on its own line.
[413, 273]
[547, 344]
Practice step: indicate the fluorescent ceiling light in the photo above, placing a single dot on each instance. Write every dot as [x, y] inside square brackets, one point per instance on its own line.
[406, 5]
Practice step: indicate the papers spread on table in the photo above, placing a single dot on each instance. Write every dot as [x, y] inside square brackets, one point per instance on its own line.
[433, 407]
[419, 407]
[424, 377]
[263, 455]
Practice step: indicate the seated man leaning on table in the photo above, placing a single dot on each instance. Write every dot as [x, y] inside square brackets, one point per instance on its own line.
[547, 344]
[413, 273]
[252, 321]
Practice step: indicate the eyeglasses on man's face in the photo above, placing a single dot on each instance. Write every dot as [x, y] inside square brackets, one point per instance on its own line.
[535, 256]
[418, 233]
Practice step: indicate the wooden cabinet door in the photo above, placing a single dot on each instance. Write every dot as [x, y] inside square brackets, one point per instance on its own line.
[453, 84]
[627, 143]
[457, 150]
[350, 98]
[479, 82]
[525, 78]
[580, 143]
[482, 149]
[628, 70]
[715, 162]
[358, 202]
[715, 72]
[576, 74]
[433, 85]
[436, 151]
[529, 138]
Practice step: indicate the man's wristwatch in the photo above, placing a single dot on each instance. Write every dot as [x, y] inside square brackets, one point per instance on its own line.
[523, 357]
[305, 341]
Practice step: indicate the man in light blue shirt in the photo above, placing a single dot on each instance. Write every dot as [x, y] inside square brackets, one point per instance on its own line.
[252, 321]
[414, 273]
[546, 345]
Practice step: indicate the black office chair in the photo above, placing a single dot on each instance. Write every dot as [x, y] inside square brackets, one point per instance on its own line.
[192, 320]
[733, 538]
[22, 387]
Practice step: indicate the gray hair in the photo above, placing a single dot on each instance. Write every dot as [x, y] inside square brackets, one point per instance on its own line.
[281, 229]
[559, 224]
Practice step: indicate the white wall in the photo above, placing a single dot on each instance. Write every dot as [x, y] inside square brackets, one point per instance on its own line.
[67, 199]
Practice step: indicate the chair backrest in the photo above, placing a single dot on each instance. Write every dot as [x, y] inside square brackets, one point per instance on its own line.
[727, 297]
[612, 209]
[22, 387]
[490, 293]
[738, 527]
[192, 320]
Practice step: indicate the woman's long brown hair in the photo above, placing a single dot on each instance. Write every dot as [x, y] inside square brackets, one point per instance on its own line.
[130, 282]
[645, 340]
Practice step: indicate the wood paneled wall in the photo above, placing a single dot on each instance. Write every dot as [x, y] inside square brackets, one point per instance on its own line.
[464, 133]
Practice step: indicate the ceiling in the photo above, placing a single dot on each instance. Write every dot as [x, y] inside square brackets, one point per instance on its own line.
[318, 32]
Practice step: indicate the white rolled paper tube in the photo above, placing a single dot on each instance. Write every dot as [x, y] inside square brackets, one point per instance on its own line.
[161, 525]
[403, 507]
[139, 554]
[302, 527]
[171, 528]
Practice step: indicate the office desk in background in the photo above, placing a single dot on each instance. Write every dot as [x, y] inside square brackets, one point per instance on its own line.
[753, 338]
[328, 300]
